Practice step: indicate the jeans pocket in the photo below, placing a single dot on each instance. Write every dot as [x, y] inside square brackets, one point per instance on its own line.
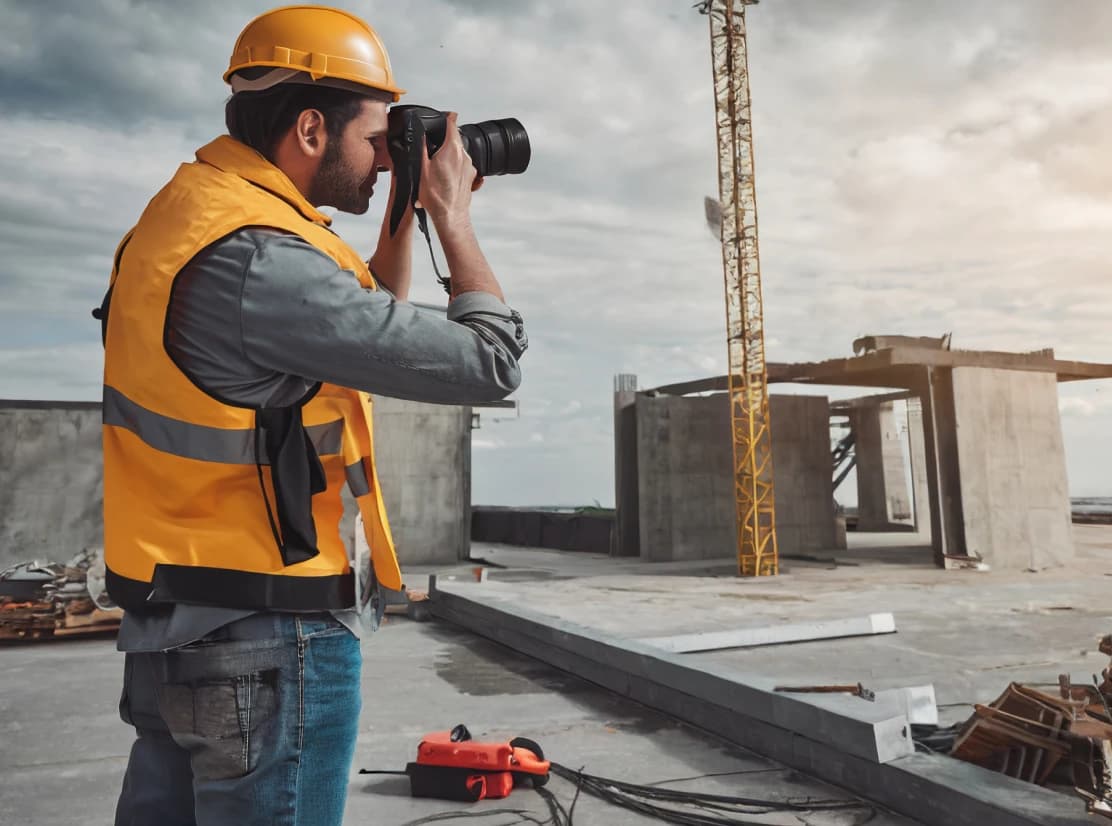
[219, 721]
[314, 627]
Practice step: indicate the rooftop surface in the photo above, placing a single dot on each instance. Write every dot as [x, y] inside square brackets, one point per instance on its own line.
[969, 633]
[64, 748]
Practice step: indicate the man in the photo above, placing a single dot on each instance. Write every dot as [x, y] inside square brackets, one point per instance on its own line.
[242, 337]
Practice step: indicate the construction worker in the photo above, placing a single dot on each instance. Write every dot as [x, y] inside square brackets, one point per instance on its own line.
[242, 338]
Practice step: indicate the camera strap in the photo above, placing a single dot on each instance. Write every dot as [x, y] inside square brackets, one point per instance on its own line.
[423, 225]
[407, 170]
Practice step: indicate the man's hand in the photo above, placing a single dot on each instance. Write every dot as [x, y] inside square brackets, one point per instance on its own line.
[447, 181]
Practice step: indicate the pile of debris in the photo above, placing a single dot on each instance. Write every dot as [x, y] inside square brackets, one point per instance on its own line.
[1061, 739]
[40, 600]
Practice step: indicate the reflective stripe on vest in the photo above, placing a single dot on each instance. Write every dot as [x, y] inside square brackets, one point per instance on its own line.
[358, 483]
[207, 444]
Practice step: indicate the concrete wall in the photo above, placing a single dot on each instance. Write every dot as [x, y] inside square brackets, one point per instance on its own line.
[802, 470]
[51, 479]
[685, 462]
[1015, 492]
[684, 491]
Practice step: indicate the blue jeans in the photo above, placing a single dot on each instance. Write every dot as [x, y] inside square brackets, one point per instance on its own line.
[254, 724]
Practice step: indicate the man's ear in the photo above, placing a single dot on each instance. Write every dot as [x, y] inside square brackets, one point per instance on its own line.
[310, 132]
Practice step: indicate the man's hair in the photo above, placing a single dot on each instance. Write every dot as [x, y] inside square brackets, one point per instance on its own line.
[260, 119]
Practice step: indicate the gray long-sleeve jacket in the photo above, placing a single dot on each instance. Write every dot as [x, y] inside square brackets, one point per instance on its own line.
[261, 316]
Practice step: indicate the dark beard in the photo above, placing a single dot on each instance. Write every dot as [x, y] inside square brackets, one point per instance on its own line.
[336, 185]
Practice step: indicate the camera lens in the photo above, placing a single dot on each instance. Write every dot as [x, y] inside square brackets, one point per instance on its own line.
[497, 147]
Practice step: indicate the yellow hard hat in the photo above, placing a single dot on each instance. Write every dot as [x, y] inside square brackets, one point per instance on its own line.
[321, 41]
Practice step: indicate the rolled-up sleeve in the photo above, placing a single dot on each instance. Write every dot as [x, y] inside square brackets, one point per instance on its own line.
[301, 314]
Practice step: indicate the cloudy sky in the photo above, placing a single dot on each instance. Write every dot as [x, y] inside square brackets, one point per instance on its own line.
[922, 168]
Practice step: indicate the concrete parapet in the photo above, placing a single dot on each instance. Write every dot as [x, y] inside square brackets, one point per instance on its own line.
[51, 481]
[52, 490]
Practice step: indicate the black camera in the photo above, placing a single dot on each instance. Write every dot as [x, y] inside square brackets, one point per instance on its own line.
[496, 147]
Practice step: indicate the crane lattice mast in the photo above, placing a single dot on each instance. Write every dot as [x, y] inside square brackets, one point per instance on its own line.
[749, 407]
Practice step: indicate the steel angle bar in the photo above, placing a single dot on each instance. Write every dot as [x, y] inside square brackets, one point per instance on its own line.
[775, 634]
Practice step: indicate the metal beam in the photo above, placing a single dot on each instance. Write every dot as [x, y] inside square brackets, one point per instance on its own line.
[775, 634]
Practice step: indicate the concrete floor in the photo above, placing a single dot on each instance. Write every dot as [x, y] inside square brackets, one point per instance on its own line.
[63, 749]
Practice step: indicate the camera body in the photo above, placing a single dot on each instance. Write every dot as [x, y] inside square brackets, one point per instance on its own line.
[496, 147]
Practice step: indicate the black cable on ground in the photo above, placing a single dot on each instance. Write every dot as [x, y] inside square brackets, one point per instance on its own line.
[686, 808]
[717, 810]
[558, 815]
[523, 815]
[718, 774]
[677, 795]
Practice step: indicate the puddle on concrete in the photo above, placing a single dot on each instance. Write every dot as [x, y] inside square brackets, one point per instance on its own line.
[481, 668]
[478, 667]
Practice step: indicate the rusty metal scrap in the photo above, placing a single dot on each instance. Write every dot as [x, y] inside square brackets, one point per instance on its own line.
[40, 600]
[1062, 739]
[855, 690]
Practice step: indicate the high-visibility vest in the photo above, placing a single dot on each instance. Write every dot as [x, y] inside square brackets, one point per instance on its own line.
[206, 501]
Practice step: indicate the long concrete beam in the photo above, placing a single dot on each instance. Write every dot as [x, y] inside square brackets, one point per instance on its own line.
[842, 405]
[851, 743]
[893, 366]
[875, 732]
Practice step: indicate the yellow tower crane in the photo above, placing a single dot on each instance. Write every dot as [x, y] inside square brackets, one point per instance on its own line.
[755, 497]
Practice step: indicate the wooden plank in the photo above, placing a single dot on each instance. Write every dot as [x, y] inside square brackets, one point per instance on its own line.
[775, 634]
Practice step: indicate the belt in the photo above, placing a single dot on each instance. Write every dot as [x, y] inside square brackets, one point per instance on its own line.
[263, 626]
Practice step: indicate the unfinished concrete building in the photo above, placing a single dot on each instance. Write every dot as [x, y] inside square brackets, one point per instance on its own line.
[987, 476]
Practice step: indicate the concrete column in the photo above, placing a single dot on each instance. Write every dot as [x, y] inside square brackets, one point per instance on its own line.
[1015, 491]
[943, 473]
[625, 540]
[917, 451]
[882, 497]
